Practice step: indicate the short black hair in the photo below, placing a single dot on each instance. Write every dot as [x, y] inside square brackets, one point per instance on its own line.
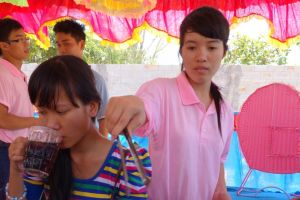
[71, 27]
[7, 25]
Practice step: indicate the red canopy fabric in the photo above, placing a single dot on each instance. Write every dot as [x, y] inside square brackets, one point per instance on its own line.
[166, 16]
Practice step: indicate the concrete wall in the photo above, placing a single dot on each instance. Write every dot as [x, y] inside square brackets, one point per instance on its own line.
[236, 81]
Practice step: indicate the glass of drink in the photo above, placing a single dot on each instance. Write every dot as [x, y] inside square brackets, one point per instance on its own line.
[41, 151]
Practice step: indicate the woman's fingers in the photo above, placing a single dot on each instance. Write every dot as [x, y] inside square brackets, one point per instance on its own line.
[16, 153]
[124, 112]
[136, 121]
[114, 110]
[17, 149]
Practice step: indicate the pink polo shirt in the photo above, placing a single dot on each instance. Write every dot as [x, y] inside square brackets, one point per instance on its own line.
[186, 147]
[14, 95]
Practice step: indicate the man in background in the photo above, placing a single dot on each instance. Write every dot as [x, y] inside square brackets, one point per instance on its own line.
[16, 110]
[70, 40]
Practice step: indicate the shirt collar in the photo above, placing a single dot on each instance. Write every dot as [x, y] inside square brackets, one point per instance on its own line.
[188, 95]
[12, 69]
[186, 91]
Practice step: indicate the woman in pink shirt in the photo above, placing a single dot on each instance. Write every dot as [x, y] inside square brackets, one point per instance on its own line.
[188, 122]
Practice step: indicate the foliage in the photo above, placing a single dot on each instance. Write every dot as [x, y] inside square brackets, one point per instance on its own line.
[248, 51]
[242, 50]
[38, 54]
[94, 52]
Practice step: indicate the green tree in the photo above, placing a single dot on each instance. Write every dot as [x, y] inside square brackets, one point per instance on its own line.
[39, 54]
[94, 52]
[248, 51]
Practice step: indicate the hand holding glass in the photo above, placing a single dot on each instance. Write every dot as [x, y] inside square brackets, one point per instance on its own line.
[41, 152]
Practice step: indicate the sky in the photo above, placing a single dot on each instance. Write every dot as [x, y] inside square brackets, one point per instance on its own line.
[254, 28]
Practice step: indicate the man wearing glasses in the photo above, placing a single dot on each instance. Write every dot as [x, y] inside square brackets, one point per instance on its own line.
[16, 111]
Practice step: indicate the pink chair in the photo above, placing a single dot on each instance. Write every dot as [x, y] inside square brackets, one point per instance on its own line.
[268, 128]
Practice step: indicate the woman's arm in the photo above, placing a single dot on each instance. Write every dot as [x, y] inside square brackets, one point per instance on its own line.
[16, 155]
[124, 111]
[221, 190]
[17, 181]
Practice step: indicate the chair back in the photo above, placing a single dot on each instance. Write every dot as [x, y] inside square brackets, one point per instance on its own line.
[268, 128]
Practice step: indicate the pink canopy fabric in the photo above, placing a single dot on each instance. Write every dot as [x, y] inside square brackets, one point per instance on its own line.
[162, 15]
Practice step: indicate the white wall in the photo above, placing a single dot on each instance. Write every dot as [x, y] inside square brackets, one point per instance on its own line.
[236, 81]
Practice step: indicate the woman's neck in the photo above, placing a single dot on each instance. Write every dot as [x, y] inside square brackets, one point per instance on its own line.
[203, 92]
[87, 144]
[89, 155]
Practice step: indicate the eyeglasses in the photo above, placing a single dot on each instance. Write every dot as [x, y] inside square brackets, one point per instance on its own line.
[22, 40]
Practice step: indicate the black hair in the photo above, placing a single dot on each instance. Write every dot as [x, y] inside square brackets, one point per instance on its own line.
[71, 27]
[75, 77]
[8, 25]
[208, 22]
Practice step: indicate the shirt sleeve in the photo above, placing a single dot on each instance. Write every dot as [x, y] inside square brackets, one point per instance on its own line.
[137, 190]
[35, 187]
[228, 130]
[5, 91]
[102, 91]
[151, 95]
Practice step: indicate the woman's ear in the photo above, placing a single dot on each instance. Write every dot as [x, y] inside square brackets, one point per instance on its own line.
[93, 108]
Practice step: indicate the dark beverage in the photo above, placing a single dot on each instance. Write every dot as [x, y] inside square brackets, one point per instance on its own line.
[40, 157]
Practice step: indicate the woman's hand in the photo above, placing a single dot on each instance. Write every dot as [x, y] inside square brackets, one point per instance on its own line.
[16, 153]
[124, 112]
[221, 190]
[221, 196]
